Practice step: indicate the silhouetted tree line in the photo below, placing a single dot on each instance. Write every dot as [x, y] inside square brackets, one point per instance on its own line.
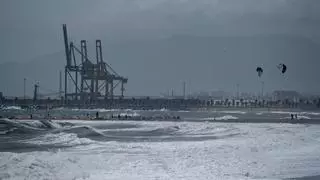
[147, 102]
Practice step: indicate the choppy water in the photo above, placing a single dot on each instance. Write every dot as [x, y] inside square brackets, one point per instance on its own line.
[75, 149]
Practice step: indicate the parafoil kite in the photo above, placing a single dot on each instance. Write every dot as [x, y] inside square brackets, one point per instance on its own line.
[259, 71]
[282, 68]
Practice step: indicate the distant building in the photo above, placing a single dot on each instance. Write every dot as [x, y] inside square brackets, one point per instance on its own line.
[283, 95]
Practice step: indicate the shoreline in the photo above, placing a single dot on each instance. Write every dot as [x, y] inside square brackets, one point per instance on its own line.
[218, 108]
[150, 119]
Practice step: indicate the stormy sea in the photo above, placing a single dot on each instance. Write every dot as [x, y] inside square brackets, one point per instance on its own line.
[195, 147]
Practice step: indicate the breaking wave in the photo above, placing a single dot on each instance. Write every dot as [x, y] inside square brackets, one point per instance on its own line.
[21, 127]
[184, 111]
[43, 135]
[144, 133]
[299, 117]
[101, 110]
[59, 140]
[11, 108]
[119, 110]
[299, 113]
[28, 126]
[233, 112]
[134, 114]
[46, 125]
[227, 117]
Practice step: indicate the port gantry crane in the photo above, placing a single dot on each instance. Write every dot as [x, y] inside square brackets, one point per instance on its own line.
[97, 80]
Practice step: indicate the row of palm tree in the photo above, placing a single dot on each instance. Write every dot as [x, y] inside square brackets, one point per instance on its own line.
[262, 103]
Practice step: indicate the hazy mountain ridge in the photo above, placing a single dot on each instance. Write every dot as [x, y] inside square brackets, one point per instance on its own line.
[205, 63]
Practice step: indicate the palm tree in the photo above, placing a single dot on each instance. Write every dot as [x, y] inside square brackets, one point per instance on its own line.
[241, 102]
[226, 101]
[246, 103]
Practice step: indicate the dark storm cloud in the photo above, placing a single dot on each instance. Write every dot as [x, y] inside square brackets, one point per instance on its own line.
[27, 26]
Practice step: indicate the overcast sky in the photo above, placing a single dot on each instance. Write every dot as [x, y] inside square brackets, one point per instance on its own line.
[32, 28]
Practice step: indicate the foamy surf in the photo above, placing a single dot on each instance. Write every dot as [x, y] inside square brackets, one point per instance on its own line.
[227, 117]
[233, 112]
[24, 126]
[202, 151]
[59, 139]
[101, 110]
[11, 108]
[295, 112]
[298, 117]
[134, 114]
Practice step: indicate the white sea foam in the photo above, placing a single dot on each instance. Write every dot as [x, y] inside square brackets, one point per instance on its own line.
[134, 114]
[12, 108]
[281, 155]
[295, 112]
[227, 117]
[101, 110]
[299, 117]
[233, 112]
[67, 139]
[251, 151]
